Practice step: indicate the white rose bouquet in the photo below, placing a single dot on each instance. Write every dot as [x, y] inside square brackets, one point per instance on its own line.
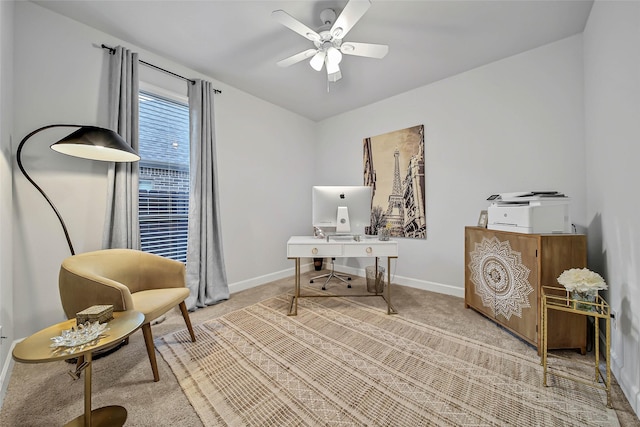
[582, 280]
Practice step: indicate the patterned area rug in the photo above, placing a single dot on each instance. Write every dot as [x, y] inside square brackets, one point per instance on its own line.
[339, 362]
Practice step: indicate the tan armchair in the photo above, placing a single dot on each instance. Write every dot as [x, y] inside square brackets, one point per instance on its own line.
[128, 279]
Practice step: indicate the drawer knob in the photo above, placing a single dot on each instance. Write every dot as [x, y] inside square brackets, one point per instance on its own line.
[314, 251]
[369, 250]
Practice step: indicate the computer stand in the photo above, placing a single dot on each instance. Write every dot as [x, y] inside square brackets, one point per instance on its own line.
[332, 274]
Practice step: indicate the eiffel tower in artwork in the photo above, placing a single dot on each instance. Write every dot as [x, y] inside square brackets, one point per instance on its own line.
[395, 211]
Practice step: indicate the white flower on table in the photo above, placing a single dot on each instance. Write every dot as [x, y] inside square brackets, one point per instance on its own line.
[582, 280]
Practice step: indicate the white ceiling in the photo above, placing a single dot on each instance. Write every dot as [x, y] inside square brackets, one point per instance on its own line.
[238, 43]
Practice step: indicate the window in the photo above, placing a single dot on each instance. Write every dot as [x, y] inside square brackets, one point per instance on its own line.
[164, 176]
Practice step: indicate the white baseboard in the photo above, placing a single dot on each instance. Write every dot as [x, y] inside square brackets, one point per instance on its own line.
[6, 373]
[400, 280]
[412, 283]
[430, 286]
[261, 280]
[630, 390]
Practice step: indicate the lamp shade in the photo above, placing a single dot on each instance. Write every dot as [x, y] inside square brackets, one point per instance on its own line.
[334, 55]
[95, 143]
[318, 60]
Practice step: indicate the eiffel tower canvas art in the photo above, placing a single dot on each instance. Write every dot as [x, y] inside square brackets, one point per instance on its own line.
[394, 169]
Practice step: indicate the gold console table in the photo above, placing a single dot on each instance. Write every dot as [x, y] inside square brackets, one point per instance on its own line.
[554, 298]
[37, 349]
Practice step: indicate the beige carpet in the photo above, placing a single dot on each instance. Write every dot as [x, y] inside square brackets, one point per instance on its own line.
[43, 394]
[343, 362]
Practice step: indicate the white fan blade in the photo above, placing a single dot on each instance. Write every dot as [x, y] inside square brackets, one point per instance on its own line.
[351, 14]
[318, 59]
[294, 59]
[368, 50]
[293, 24]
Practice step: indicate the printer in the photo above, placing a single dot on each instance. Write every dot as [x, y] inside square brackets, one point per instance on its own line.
[538, 212]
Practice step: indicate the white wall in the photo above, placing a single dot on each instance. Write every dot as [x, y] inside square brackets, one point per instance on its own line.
[612, 94]
[513, 125]
[6, 184]
[61, 78]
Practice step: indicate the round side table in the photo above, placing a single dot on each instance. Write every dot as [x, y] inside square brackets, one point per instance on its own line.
[37, 349]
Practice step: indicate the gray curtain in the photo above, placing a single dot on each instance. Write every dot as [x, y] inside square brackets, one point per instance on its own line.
[206, 276]
[121, 220]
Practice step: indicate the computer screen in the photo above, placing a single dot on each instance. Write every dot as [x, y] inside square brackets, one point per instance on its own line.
[341, 209]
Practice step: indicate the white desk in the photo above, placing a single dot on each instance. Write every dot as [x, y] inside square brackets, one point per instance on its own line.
[340, 247]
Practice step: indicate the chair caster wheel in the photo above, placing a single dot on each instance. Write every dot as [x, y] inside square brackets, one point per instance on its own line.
[349, 286]
[349, 278]
[324, 289]
[310, 281]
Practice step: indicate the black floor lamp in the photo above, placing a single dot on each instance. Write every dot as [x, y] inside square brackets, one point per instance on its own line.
[88, 142]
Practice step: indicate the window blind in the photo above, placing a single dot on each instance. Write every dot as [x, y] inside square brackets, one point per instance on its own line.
[164, 176]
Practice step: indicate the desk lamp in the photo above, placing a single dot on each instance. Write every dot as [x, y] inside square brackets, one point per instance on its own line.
[88, 142]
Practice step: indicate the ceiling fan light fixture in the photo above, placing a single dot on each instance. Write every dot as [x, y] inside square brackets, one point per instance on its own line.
[332, 67]
[337, 32]
[334, 56]
[318, 60]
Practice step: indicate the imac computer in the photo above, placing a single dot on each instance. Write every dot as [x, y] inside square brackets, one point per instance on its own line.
[341, 209]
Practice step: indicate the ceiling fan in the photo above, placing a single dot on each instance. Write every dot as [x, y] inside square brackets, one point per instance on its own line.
[328, 40]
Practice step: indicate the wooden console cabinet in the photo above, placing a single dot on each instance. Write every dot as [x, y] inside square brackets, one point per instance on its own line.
[504, 275]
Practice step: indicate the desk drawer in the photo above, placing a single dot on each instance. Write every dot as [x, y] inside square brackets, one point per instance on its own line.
[373, 249]
[314, 251]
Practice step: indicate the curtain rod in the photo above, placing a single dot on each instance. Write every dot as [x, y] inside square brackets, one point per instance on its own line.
[112, 50]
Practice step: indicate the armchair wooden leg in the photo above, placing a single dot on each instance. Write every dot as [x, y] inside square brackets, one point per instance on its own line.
[148, 340]
[187, 320]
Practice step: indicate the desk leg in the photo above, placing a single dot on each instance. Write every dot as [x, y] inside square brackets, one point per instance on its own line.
[293, 305]
[388, 285]
[390, 309]
[106, 416]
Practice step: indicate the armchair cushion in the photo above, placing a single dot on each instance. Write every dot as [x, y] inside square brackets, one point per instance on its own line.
[155, 302]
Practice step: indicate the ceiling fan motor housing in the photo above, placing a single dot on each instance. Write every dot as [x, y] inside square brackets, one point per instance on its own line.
[328, 17]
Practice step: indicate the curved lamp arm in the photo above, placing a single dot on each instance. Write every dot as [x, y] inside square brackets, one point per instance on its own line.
[88, 142]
